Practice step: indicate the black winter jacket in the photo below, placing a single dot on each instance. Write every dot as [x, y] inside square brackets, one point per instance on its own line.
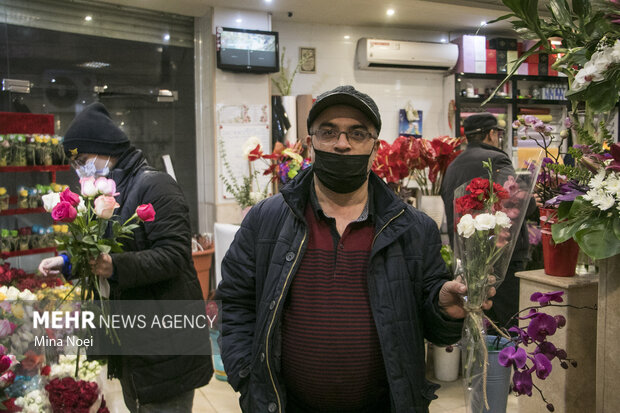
[406, 272]
[156, 265]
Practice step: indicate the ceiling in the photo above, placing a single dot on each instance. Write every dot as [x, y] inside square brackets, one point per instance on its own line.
[438, 15]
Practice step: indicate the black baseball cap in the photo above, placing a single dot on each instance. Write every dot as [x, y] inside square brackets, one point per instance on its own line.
[480, 122]
[349, 96]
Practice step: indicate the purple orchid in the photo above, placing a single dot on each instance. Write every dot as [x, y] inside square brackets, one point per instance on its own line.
[615, 153]
[530, 120]
[568, 192]
[546, 298]
[568, 123]
[525, 339]
[534, 234]
[522, 382]
[541, 326]
[512, 356]
[542, 365]
[561, 320]
[546, 348]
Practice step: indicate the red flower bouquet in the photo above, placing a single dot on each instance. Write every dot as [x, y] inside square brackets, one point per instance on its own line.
[488, 218]
[68, 395]
[423, 160]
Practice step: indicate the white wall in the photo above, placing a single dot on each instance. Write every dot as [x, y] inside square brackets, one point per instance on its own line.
[391, 89]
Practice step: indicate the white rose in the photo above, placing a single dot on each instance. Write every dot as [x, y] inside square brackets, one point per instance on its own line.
[466, 227]
[88, 187]
[484, 222]
[502, 220]
[81, 206]
[12, 294]
[50, 200]
[249, 146]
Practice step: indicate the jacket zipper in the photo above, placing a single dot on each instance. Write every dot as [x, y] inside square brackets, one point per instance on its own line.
[133, 383]
[386, 224]
[273, 318]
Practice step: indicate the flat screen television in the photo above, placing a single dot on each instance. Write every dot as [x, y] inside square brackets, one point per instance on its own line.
[250, 51]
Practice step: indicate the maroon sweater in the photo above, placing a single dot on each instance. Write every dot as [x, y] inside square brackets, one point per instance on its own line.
[331, 357]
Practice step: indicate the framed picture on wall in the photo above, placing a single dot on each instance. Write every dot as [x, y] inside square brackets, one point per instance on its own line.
[307, 56]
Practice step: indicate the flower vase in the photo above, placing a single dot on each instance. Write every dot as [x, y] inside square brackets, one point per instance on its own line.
[497, 381]
[218, 365]
[446, 364]
[202, 264]
[432, 205]
[560, 259]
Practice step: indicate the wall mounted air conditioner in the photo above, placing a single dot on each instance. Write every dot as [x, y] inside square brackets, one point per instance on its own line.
[397, 54]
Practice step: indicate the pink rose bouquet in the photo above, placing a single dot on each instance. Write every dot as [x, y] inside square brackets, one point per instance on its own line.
[92, 228]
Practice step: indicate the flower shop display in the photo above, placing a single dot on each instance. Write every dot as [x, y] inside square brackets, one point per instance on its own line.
[31, 149]
[488, 221]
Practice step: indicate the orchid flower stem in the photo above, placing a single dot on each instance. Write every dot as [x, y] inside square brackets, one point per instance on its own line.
[584, 307]
[541, 393]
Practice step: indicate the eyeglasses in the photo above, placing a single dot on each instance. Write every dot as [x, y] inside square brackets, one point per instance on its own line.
[355, 137]
[79, 161]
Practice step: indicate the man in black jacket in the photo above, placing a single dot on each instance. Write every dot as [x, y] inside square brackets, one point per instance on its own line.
[155, 265]
[331, 286]
[483, 142]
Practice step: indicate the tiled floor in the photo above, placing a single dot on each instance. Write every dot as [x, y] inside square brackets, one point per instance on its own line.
[219, 397]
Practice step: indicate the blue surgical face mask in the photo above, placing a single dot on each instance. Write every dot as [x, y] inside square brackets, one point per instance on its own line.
[89, 169]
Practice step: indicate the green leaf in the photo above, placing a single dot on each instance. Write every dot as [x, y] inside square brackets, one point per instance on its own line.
[105, 249]
[88, 239]
[616, 225]
[564, 209]
[599, 241]
[579, 205]
[602, 96]
[581, 8]
[560, 11]
[500, 18]
[563, 231]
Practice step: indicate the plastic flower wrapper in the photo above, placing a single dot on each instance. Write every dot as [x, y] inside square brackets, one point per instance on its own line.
[488, 213]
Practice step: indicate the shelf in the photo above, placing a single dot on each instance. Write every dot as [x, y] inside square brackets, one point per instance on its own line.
[35, 168]
[27, 252]
[500, 76]
[542, 102]
[21, 211]
[496, 101]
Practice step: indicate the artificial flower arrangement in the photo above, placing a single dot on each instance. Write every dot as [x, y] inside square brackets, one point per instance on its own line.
[530, 351]
[8, 362]
[88, 216]
[425, 161]
[248, 191]
[488, 218]
[283, 164]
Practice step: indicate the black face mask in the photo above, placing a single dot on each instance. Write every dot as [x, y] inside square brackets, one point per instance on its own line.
[341, 173]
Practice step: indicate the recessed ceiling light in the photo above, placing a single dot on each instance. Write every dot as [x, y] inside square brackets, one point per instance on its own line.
[483, 23]
[390, 12]
[238, 20]
[347, 37]
[53, 80]
[443, 40]
[94, 65]
[88, 18]
[267, 1]
[166, 37]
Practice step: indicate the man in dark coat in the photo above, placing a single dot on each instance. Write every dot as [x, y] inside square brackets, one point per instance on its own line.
[483, 142]
[155, 265]
[331, 286]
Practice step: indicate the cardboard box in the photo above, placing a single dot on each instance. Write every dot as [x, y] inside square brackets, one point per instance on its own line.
[472, 54]
[552, 59]
[502, 43]
[491, 63]
[502, 60]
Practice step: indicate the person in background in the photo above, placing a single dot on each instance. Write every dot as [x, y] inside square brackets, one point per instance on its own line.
[331, 286]
[156, 264]
[483, 143]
